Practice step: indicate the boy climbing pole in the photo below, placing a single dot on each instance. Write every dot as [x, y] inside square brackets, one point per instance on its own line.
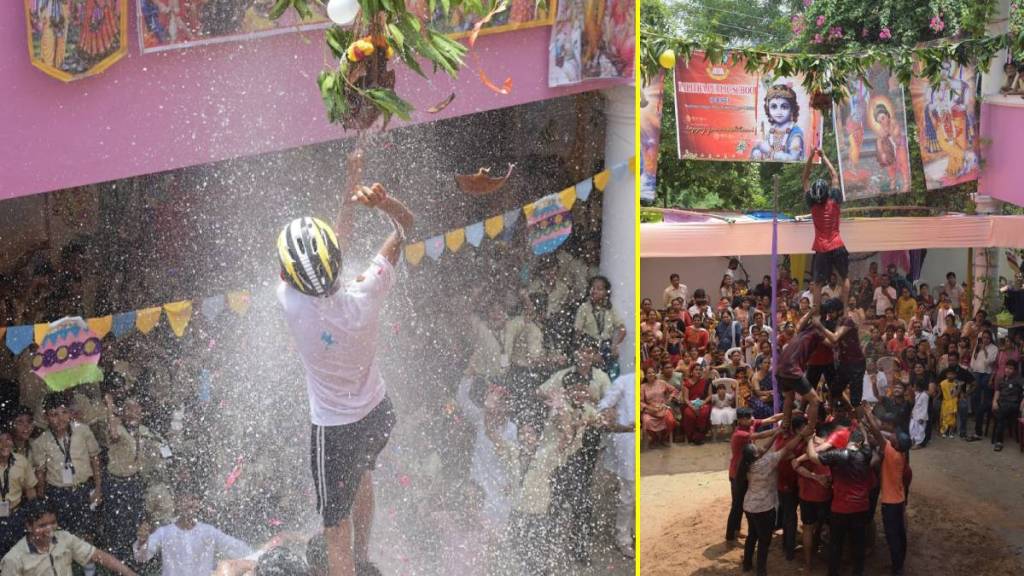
[830, 253]
[335, 328]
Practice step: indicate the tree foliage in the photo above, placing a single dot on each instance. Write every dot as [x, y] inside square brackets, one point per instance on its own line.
[929, 32]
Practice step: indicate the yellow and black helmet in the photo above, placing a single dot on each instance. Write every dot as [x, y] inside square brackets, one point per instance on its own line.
[310, 256]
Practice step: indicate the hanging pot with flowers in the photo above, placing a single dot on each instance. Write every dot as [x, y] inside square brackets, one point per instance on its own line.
[360, 89]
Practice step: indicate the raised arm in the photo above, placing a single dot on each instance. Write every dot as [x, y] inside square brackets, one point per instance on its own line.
[344, 223]
[874, 429]
[793, 442]
[807, 170]
[377, 197]
[831, 169]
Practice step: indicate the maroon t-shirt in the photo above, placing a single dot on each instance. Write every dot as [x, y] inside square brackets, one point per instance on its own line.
[826, 226]
[810, 490]
[848, 347]
[740, 438]
[822, 355]
[795, 354]
[787, 475]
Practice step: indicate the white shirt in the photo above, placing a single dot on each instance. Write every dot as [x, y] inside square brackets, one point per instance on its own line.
[940, 319]
[810, 296]
[883, 300]
[671, 293]
[830, 292]
[985, 360]
[622, 397]
[868, 394]
[189, 552]
[336, 338]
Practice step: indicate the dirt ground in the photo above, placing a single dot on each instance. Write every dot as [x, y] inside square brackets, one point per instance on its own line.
[965, 514]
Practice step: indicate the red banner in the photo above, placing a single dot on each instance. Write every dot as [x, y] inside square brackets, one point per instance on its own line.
[723, 113]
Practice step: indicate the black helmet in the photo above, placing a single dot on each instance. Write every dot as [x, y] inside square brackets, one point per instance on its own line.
[819, 191]
[310, 257]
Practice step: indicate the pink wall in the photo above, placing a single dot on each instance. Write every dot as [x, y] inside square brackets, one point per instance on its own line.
[1002, 124]
[156, 112]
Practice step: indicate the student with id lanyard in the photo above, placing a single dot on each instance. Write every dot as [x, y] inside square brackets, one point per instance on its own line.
[47, 550]
[66, 458]
[17, 482]
[130, 445]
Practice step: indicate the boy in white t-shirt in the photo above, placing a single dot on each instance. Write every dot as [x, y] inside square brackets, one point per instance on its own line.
[335, 332]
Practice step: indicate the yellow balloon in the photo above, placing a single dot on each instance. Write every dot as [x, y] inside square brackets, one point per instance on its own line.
[667, 59]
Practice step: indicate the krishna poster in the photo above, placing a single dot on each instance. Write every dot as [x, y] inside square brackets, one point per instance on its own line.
[73, 39]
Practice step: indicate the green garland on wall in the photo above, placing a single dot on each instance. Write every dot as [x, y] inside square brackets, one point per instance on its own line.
[830, 73]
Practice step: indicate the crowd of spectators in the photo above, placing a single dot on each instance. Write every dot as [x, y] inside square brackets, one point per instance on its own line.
[510, 373]
[706, 352]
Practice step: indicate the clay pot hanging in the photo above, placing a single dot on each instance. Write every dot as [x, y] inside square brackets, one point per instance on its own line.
[482, 183]
[821, 101]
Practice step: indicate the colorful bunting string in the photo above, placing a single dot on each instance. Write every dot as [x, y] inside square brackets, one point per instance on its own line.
[179, 315]
[101, 326]
[503, 226]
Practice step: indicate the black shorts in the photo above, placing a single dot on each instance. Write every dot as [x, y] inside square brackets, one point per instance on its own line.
[813, 512]
[340, 454]
[824, 263]
[816, 371]
[850, 375]
[800, 385]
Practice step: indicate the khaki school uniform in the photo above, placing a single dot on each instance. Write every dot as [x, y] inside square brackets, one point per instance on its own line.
[20, 476]
[600, 324]
[524, 342]
[25, 560]
[131, 452]
[48, 455]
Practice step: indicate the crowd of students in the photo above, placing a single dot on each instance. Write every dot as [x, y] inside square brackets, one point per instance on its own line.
[520, 403]
[857, 386]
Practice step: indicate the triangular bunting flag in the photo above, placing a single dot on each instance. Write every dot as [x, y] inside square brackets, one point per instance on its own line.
[239, 302]
[511, 219]
[435, 247]
[414, 253]
[18, 338]
[567, 197]
[494, 225]
[618, 171]
[39, 332]
[601, 180]
[583, 189]
[147, 319]
[123, 323]
[475, 234]
[454, 239]
[178, 316]
[100, 326]
[212, 306]
[529, 208]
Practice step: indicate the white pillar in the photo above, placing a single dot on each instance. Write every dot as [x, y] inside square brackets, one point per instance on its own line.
[986, 262]
[993, 80]
[618, 224]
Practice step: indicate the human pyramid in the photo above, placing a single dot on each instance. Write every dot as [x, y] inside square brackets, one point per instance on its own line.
[840, 445]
